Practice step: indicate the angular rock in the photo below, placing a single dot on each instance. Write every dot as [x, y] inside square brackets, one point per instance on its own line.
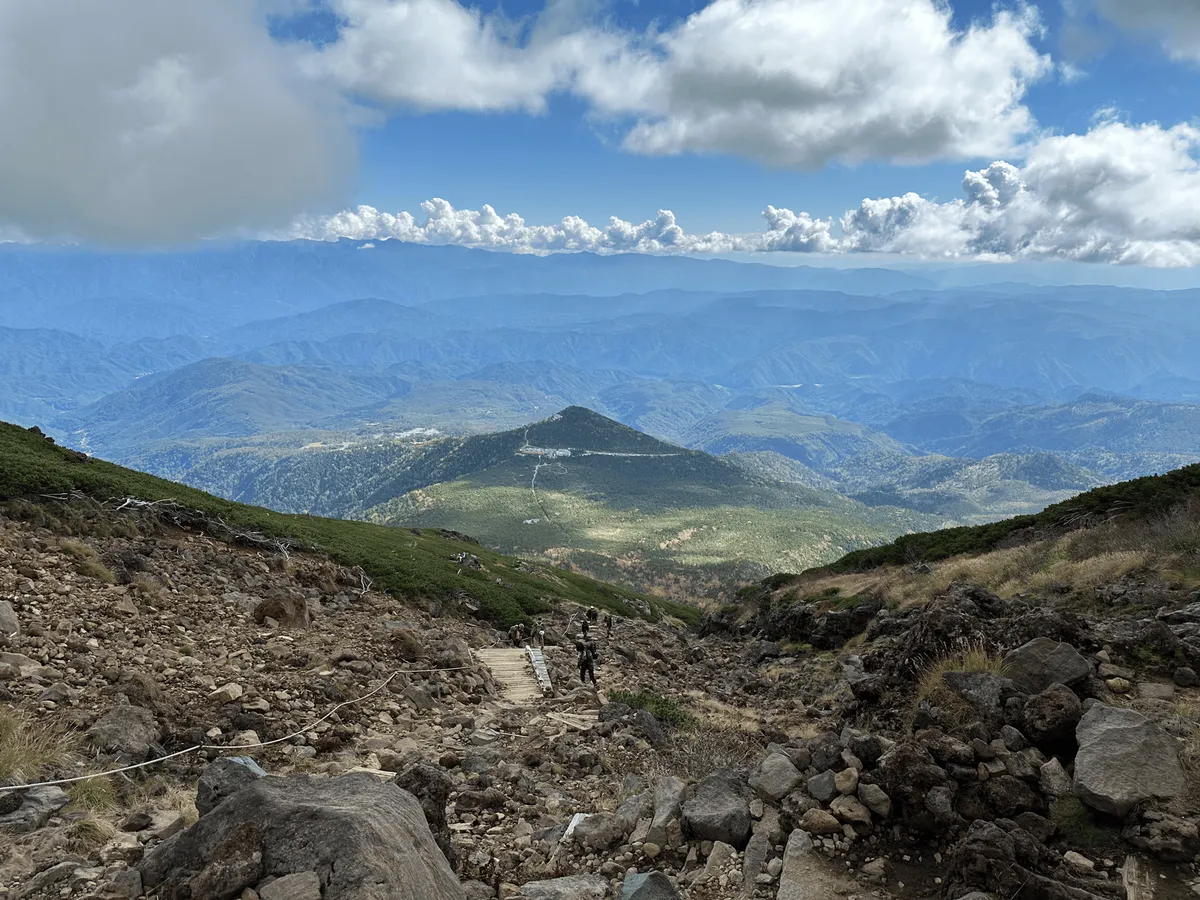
[805, 876]
[1042, 662]
[668, 810]
[850, 809]
[1054, 780]
[365, 839]
[818, 821]
[1186, 677]
[1124, 759]
[600, 832]
[717, 810]
[31, 809]
[648, 886]
[431, 786]
[572, 887]
[875, 799]
[10, 625]
[776, 777]
[127, 732]
[823, 787]
[223, 777]
[1153, 690]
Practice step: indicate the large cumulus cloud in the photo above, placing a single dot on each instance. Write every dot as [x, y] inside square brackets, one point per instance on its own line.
[786, 82]
[1118, 194]
[152, 121]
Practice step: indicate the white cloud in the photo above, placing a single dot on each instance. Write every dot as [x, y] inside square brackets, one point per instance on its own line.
[802, 83]
[1174, 22]
[439, 54]
[785, 82]
[145, 121]
[1119, 194]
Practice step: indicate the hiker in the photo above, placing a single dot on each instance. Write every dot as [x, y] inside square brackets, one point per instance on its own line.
[516, 634]
[585, 626]
[588, 656]
[541, 638]
[608, 623]
[592, 614]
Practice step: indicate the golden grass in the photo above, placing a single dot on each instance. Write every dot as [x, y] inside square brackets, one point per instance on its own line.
[932, 687]
[93, 568]
[77, 549]
[30, 749]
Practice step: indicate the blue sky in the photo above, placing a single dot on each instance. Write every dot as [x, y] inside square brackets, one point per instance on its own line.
[922, 129]
[557, 164]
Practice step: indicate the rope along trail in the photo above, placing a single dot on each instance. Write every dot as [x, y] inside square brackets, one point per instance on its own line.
[8, 789]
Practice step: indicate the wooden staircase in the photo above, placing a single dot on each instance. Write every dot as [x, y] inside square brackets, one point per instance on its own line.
[514, 668]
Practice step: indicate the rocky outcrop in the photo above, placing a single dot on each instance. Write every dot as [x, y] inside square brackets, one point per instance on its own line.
[1123, 760]
[224, 777]
[365, 840]
[1043, 662]
[128, 733]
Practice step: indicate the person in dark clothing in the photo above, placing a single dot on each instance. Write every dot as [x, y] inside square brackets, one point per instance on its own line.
[608, 623]
[588, 656]
[585, 625]
[516, 634]
[593, 615]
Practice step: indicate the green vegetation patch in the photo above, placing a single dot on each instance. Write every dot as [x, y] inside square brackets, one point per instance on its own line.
[666, 711]
[404, 562]
[1141, 499]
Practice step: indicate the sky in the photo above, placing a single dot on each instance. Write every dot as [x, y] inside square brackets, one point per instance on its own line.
[935, 131]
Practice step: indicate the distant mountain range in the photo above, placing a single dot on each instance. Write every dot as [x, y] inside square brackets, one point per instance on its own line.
[313, 375]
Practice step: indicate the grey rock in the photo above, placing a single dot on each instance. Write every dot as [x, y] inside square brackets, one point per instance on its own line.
[717, 810]
[431, 786]
[875, 799]
[776, 777]
[223, 777]
[1124, 759]
[1153, 690]
[9, 623]
[648, 886]
[477, 890]
[1042, 662]
[1054, 780]
[34, 809]
[365, 839]
[1186, 677]
[805, 876]
[599, 832]
[572, 887]
[128, 732]
[823, 787]
[757, 851]
[668, 810]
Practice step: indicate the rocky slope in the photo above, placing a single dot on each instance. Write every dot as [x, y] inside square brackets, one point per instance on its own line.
[1020, 747]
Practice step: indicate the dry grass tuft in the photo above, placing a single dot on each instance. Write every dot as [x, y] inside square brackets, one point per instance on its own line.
[92, 568]
[30, 749]
[77, 549]
[932, 687]
[702, 750]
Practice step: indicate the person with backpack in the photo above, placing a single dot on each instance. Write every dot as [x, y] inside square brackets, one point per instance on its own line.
[584, 626]
[593, 614]
[516, 634]
[608, 623]
[588, 657]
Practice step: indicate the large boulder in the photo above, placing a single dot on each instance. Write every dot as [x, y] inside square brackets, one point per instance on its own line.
[365, 839]
[223, 777]
[776, 777]
[1035, 666]
[10, 625]
[129, 733]
[717, 810]
[1123, 760]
